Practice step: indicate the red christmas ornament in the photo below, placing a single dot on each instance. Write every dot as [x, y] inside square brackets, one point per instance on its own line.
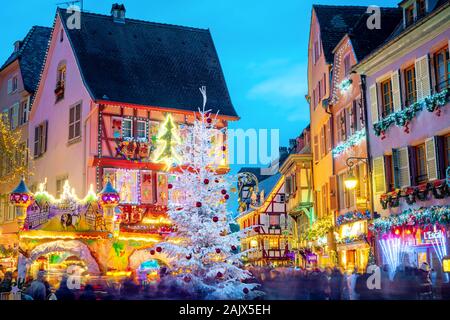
[383, 136]
[187, 279]
[218, 250]
[407, 127]
[227, 197]
[256, 229]
[206, 181]
[189, 257]
[208, 114]
[209, 120]
[169, 186]
[159, 249]
[198, 204]
[224, 148]
[152, 252]
[246, 291]
[233, 248]
[216, 181]
[219, 274]
[224, 191]
[216, 219]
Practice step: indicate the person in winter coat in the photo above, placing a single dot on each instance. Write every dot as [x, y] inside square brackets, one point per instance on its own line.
[37, 289]
[64, 293]
[88, 293]
[336, 284]
[6, 284]
[424, 282]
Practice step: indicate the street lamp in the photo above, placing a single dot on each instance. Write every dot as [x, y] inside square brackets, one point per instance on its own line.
[351, 181]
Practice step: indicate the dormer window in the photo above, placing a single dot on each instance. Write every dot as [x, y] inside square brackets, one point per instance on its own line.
[409, 15]
[421, 8]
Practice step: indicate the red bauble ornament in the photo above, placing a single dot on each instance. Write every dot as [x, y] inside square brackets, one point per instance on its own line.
[209, 120]
[206, 181]
[189, 257]
[224, 191]
[152, 252]
[226, 197]
[256, 229]
[216, 181]
[216, 219]
[169, 186]
[218, 251]
[233, 248]
[159, 249]
[198, 204]
[187, 279]
[245, 290]
[208, 114]
[219, 274]
[224, 148]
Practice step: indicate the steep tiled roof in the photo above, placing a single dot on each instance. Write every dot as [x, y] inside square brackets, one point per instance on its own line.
[335, 21]
[150, 64]
[365, 40]
[31, 56]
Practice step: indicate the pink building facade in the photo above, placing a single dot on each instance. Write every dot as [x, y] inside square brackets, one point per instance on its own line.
[407, 82]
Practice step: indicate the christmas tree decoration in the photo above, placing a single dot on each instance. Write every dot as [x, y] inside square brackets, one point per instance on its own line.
[168, 139]
[201, 221]
[206, 181]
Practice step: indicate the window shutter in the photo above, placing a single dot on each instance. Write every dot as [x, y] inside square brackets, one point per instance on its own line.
[288, 185]
[404, 175]
[396, 168]
[374, 103]
[396, 96]
[36, 141]
[45, 135]
[9, 86]
[423, 77]
[341, 192]
[316, 148]
[294, 182]
[322, 142]
[430, 153]
[333, 194]
[379, 180]
[329, 146]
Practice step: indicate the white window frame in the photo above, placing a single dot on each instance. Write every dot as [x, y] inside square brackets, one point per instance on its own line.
[138, 131]
[72, 125]
[124, 129]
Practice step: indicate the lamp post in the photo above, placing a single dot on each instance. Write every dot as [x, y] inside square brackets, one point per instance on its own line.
[109, 200]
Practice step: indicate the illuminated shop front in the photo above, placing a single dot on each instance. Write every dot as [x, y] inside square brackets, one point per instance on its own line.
[352, 242]
[416, 236]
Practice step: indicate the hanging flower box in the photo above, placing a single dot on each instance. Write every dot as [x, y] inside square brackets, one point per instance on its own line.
[410, 195]
[59, 90]
[394, 198]
[384, 200]
[422, 191]
[439, 189]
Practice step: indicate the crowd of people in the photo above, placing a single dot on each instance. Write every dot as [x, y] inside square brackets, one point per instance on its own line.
[407, 283]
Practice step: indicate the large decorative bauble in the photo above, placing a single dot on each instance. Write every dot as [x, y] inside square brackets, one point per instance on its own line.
[224, 192]
[159, 249]
[198, 204]
[206, 181]
[170, 186]
[189, 257]
[218, 251]
[152, 252]
[226, 197]
[216, 219]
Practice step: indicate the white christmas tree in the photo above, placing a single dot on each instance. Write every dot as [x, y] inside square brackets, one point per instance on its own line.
[205, 255]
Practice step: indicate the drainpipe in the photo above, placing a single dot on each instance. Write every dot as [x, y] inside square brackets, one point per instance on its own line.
[91, 113]
[369, 155]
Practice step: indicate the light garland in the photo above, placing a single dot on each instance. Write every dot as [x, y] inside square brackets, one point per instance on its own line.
[402, 117]
[412, 218]
[352, 141]
[345, 85]
[352, 216]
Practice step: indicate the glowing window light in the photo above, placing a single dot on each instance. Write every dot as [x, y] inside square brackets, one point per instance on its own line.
[393, 250]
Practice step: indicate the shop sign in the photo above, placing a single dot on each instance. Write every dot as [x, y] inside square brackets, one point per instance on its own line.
[432, 235]
[446, 264]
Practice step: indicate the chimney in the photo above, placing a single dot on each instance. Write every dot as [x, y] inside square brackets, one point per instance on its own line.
[283, 153]
[17, 45]
[118, 13]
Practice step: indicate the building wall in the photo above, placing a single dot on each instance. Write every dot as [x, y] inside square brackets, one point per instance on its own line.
[347, 109]
[319, 71]
[7, 100]
[414, 45]
[61, 158]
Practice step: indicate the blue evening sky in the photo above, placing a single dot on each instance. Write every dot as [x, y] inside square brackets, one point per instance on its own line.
[262, 46]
